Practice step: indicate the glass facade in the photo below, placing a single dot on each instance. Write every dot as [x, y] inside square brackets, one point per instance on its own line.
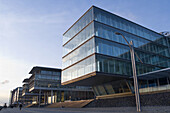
[119, 66]
[91, 45]
[123, 86]
[125, 25]
[45, 78]
[44, 86]
[108, 32]
[111, 88]
[82, 68]
[80, 38]
[122, 51]
[85, 50]
[78, 26]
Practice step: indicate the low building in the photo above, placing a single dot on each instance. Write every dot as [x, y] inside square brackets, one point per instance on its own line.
[16, 96]
[46, 83]
[27, 97]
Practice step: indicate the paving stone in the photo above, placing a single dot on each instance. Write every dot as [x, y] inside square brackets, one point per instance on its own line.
[148, 109]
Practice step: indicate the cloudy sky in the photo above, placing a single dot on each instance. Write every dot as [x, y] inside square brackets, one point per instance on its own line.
[31, 31]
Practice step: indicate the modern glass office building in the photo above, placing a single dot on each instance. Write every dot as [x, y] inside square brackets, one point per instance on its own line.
[45, 86]
[16, 96]
[94, 55]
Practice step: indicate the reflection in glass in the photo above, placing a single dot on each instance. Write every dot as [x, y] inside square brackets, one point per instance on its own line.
[84, 67]
[79, 25]
[80, 53]
[83, 36]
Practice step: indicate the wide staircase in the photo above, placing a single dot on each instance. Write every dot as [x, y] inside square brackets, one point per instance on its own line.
[70, 104]
[31, 106]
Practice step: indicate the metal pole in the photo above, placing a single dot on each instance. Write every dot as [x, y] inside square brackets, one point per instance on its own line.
[136, 88]
[133, 53]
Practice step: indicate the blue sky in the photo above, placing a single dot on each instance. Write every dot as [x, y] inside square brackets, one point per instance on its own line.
[31, 31]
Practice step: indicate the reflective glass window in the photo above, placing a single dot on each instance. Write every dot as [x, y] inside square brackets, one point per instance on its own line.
[117, 66]
[111, 65]
[82, 68]
[120, 23]
[143, 84]
[152, 83]
[101, 90]
[109, 33]
[83, 36]
[80, 53]
[109, 88]
[79, 25]
[163, 81]
[117, 50]
[96, 91]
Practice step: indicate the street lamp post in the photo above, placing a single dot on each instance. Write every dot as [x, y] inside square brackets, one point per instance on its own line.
[136, 88]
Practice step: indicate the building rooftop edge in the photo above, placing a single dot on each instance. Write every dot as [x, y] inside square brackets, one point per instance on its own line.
[77, 20]
[41, 67]
[112, 14]
[25, 80]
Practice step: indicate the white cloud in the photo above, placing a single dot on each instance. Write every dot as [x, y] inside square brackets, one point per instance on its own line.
[5, 82]
[14, 71]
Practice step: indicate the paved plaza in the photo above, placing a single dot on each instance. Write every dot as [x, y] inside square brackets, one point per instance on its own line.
[156, 109]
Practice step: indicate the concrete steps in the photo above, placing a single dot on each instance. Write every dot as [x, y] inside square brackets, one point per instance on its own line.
[31, 106]
[70, 104]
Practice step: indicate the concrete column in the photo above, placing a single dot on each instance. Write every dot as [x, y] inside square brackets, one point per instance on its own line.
[56, 96]
[59, 96]
[47, 97]
[158, 82]
[44, 98]
[147, 83]
[51, 96]
[39, 97]
[55, 100]
[167, 80]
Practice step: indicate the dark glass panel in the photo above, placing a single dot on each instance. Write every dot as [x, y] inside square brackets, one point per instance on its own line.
[143, 84]
[101, 90]
[163, 81]
[96, 91]
[152, 83]
[109, 88]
